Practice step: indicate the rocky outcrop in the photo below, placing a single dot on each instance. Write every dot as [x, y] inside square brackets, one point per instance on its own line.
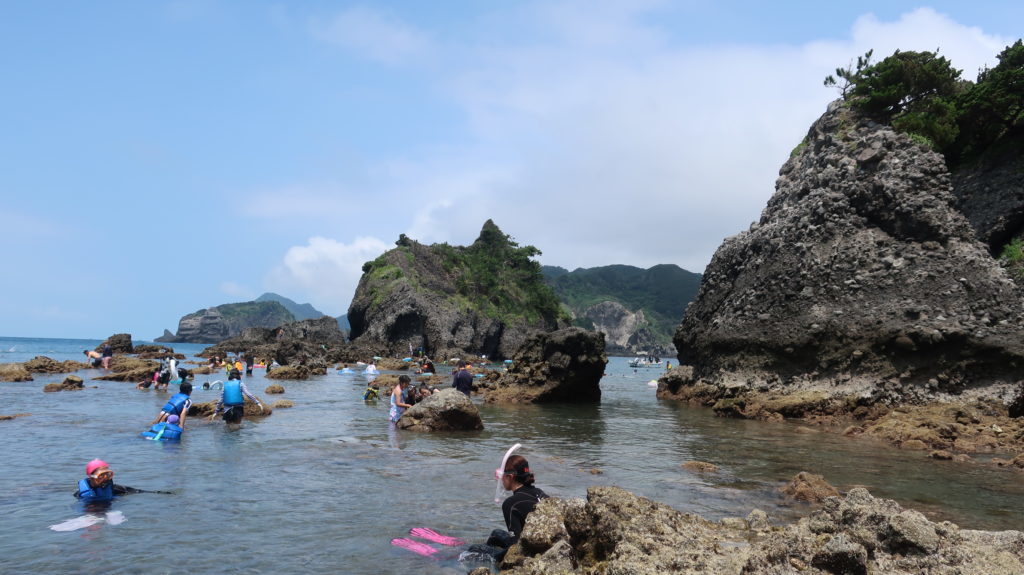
[861, 278]
[563, 366]
[70, 383]
[43, 364]
[625, 332]
[119, 343]
[219, 323]
[446, 410]
[484, 299]
[313, 343]
[615, 531]
[129, 369]
[14, 372]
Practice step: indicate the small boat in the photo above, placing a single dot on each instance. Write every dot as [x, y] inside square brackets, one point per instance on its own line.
[646, 362]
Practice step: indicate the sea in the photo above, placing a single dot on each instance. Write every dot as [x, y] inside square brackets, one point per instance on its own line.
[324, 486]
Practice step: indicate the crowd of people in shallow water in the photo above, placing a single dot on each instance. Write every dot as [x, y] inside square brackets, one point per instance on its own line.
[97, 489]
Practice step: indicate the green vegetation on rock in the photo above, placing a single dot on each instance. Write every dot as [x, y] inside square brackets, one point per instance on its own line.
[921, 94]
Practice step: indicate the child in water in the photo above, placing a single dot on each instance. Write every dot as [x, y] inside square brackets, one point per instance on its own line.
[164, 431]
[372, 392]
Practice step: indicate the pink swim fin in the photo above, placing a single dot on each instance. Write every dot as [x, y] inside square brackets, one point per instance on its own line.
[431, 535]
[414, 546]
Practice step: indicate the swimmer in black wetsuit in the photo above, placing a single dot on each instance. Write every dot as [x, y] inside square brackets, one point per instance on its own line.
[518, 479]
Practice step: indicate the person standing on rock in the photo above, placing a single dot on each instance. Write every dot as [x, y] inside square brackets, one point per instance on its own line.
[463, 379]
[398, 404]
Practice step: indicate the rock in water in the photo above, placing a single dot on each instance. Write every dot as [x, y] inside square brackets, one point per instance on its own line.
[860, 269]
[563, 366]
[446, 410]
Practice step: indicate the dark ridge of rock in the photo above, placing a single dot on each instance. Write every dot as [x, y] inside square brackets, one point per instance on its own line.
[453, 301]
[119, 343]
[446, 410]
[313, 343]
[615, 531]
[860, 278]
[990, 193]
[219, 323]
[563, 366]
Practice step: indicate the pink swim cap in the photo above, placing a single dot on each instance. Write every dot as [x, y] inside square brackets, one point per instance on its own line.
[94, 465]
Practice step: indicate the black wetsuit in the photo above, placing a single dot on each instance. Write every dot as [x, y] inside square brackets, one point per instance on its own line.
[519, 505]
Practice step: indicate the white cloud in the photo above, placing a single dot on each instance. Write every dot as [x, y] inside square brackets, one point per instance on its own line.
[374, 35]
[326, 270]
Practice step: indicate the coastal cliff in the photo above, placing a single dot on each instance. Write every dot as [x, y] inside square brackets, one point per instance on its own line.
[486, 298]
[862, 278]
[219, 323]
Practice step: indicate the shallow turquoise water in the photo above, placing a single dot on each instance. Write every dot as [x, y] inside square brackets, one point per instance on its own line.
[324, 486]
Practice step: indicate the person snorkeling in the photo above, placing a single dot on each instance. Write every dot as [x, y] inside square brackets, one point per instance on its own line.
[519, 479]
[164, 431]
[98, 485]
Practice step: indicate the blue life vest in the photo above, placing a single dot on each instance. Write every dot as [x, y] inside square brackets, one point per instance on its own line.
[170, 431]
[88, 493]
[175, 404]
[233, 393]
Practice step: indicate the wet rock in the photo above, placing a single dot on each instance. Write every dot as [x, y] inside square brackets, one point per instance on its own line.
[446, 410]
[43, 364]
[15, 416]
[273, 389]
[124, 368]
[296, 372]
[561, 366]
[283, 404]
[809, 488]
[70, 383]
[14, 372]
[251, 409]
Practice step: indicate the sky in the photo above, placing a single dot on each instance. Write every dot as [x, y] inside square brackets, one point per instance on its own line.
[162, 157]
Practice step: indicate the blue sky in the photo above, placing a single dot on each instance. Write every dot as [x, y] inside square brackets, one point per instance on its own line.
[163, 157]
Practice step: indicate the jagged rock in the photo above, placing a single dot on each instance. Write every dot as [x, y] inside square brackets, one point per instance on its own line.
[273, 389]
[809, 488]
[129, 369]
[14, 372]
[446, 410]
[860, 278]
[432, 297]
[561, 366]
[251, 408]
[70, 383]
[283, 404]
[43, 364]
[990, 193]
[313, 343]
[289, 372]
[149, 351]
[618, 532]
[119, 343]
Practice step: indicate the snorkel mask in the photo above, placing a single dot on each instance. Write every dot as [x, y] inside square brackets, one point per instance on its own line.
[499, 491]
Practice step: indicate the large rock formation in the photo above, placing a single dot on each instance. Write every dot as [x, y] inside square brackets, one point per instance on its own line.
[564, 366]
[484, 299]
[990, 193]
[625, 332]
[216, 324]
[618, 532]
[313, 343]
[861, 271]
